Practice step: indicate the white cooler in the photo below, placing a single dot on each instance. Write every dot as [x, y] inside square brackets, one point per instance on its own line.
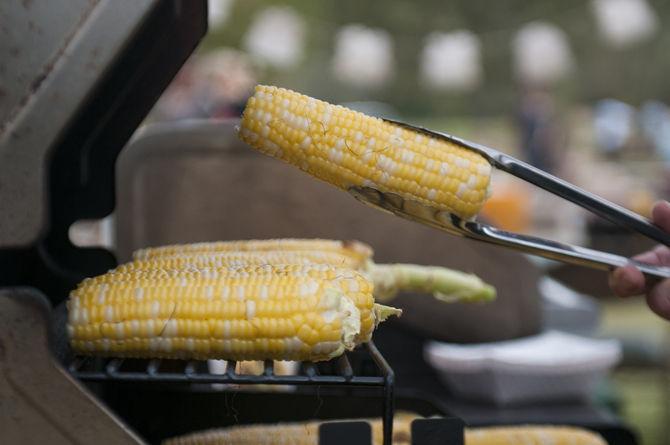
[552, 366]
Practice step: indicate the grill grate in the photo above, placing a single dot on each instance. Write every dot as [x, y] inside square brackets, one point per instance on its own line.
[337, 372]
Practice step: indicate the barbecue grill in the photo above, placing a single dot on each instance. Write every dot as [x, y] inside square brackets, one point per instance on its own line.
[76, 80]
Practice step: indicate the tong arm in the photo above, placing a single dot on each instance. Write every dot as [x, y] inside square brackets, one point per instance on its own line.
[553, 250]
[453, 224]
[599, 206]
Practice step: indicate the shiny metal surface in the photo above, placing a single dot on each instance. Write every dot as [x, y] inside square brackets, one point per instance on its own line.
[52, 55]
[40, 403]
[538, 246]
[601, 207]
[454, 225]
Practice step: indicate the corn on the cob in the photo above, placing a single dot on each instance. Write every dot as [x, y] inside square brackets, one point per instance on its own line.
[279, 281]
[307, 433]
[348, 148]
[532, 435]
[354, 252]
[290, 312]
[299, 433]
[239, 259]
[389, 279]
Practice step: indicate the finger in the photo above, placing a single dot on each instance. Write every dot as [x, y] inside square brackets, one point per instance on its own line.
[660, 215]
[627, 281]
[659, 299]
[658, 255]
[649, 257]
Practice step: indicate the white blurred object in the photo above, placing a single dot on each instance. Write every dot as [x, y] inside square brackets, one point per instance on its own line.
[93, 232]
[612, 124]
[255, 367]
[654, 119]
[557, 219]
[611, 180]
[219, 11]
[452, 61]
[363, 56]
[541, 53]
[624, 23]
[565, 310]
[545, 367]
[276, 36]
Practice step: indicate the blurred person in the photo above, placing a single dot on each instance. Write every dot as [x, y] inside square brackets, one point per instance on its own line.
[654, 121]
[538, 127]
[628, 281]
[612, 126]
[213, 85]
[179, 100]
[226, 78]
[654, 118]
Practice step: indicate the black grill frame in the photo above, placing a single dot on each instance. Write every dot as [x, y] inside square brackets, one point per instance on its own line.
[97, 369]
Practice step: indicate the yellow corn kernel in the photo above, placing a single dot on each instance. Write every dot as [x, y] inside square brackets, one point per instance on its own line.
[307, 433]
[234, 259]
[388, 279]
[350, 149]
[281, 312]
[356, 251]
[532, 435]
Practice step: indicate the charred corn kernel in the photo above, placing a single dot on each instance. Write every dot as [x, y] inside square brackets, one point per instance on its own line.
[388, 279]
[318, 250]
[308, 433]
[350, 149]
[281, 312]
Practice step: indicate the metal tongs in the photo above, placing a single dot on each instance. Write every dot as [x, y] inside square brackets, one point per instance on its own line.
[566, 253]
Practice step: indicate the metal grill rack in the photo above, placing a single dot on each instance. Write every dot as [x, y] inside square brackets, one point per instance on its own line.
[339, 372]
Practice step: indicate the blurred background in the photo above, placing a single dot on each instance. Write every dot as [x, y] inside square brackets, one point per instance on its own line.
[578, 88]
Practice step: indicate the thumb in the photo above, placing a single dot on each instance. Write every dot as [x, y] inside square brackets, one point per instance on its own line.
[658, 299]
[660, 215]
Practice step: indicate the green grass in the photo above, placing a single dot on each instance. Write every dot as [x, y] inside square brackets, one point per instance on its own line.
[644, 401]
[643, 391]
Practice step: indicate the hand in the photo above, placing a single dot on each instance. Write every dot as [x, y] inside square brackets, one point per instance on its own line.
[628, 281]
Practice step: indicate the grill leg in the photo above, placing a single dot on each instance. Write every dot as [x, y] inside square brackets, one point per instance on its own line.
[387, 418]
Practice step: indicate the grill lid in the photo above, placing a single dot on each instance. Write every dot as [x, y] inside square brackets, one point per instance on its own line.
[76, 79]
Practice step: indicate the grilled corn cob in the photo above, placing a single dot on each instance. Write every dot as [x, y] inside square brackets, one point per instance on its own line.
[532, 435]
[307, 433]
[353, 253]
[289, 312]
[389, 279]
[299, 433]
[349, 149]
